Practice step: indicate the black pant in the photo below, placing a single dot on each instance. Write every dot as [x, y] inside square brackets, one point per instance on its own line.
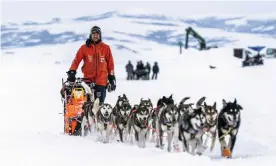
[129, 76]
[148, 75]
[100, 92]
[154, 75]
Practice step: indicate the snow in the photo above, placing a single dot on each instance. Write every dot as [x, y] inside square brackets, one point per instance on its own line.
[259, 28]
[269, 28]
[32, 128]
[32, 134]
[237, 22]
[263, 28]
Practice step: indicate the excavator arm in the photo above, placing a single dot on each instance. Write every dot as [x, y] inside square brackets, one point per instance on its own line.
[201, 41]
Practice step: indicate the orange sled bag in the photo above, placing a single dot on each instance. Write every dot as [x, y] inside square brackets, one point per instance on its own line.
[74, 110]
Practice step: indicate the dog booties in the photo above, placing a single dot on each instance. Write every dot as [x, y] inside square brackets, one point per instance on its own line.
[226, 153]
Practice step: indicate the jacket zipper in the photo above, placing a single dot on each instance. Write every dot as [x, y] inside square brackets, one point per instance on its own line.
[96, 63]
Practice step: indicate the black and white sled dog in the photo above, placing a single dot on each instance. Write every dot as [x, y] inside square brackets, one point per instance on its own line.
[104, 122]
[167, 122]
[165, 101]
[146, 103]
[191, 127]
[161, 103]
[183, 107]
[90, 108]
[121, 118]
[228, 124]
[211, 122]
[121, 115]
[139, 123]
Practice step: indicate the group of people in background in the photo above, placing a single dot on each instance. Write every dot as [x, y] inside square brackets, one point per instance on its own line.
[142, 71]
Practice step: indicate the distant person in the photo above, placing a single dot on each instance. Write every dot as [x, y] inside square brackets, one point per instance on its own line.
[142, 72]
[155, 71]
[142, 67]
[138, 68]
[130, 71]
[137, 65]
[148, 68]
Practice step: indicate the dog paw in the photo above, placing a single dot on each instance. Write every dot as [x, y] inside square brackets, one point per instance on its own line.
[143, 146]
[199, 153]
[176, 148]
[152, 140]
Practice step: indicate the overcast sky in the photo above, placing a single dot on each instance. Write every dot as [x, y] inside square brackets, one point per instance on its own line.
[22, 11]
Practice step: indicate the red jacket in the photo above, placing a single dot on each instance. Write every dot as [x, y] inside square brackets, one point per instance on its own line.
[98, 62]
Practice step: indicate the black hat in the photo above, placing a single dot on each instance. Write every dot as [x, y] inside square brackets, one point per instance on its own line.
[93, 30]
[96, 29]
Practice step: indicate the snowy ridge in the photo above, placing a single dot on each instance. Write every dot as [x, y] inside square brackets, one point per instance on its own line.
[158, 28]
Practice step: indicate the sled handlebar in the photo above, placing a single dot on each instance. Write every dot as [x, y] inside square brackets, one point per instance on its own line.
[79, 80]
[87, 80]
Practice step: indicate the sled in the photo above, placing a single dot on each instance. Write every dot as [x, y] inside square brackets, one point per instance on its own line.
[76, 94]
[74, 112]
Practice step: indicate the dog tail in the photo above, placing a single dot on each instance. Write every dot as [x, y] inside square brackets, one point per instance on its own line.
[88, 91]
[200, 101]
[183, 100]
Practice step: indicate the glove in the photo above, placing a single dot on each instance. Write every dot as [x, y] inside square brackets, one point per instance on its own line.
[71, 75]
[112, 81]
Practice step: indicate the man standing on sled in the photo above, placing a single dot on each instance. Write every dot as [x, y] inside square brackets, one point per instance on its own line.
[98, 64]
